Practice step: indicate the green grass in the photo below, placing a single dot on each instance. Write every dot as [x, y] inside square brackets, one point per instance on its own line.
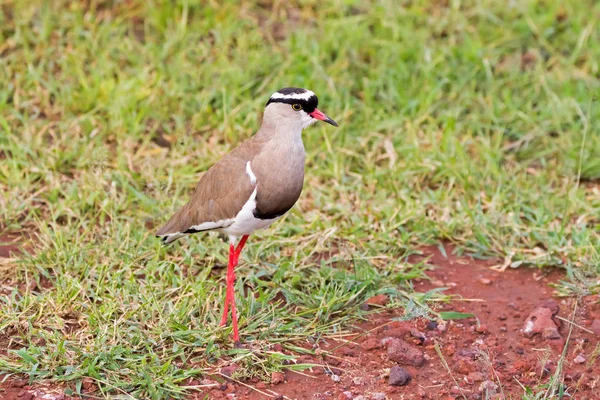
[473, 122]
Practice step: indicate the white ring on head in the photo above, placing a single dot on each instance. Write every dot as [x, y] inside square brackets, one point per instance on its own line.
[296, 96]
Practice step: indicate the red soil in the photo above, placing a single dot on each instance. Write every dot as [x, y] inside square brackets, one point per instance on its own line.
[9, 246]
[488, 355]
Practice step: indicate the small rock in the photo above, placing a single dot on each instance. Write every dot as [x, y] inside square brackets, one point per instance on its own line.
[595, 327]
[502, 317]
[488, 387]
[485, 281]
[229, 370]
[431, 325]
[540, 321]
[399, 333]
[455, 390]
[360, 397]
[23, 395]
[550, 304]
[231, 396]
[18, 383]
[378, 396]
[475, 377]
[405, 354]
[481, 329]
[335, 378]
[88, 385]
[465, 366]
[346, 396]
[398, 376]
[420, 336]
[261, 385]
[378, 300]
[371, 344]
[442, 327]
[580, 359]
[277, 378]
[332, 361]
[551, 333]
[210, 382]
[358, 380]
[349, 352]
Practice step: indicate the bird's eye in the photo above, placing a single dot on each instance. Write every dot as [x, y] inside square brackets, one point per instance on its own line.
[296, 107]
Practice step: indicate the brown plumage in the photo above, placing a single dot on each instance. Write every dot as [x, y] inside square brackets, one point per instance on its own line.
[253, 185]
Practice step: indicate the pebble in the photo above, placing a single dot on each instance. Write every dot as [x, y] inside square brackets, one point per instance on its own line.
[378, 396]
[580, 359]
[455, 390]
[488, 387]
[540, 322]
[378, 300]
[371, 344]
[346, 396]
[475, 377]
[420, 336]
[335, 378]
[358, 380]
[23, 395]
[485, 281]
[18, 383]
[229, 370]
[277, 378]
[442, 327]
[398, 376]
[403, 353]
[431, 325]
[481, 329]
[551, 333]
[349, 352]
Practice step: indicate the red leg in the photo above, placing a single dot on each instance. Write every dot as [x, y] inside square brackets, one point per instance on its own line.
[236, 257]
[229, 290]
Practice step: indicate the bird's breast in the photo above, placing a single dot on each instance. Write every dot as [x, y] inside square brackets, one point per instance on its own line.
[279, 180]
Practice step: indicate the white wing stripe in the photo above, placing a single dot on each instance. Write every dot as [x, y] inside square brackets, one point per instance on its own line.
[250, 173]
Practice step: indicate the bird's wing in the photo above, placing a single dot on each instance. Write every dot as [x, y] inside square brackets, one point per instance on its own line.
[219, 196]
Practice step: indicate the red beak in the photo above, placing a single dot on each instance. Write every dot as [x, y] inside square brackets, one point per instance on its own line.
[319, 115]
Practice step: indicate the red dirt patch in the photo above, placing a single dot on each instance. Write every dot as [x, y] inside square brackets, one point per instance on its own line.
[9, 245]
[487, 356]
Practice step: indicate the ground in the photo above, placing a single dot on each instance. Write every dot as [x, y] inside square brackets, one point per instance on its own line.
[486, 353]
[470, 126]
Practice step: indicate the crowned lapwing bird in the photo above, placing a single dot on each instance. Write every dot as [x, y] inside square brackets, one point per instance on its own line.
[253, 185]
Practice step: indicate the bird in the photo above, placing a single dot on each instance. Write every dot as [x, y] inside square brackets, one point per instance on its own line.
[253, 185]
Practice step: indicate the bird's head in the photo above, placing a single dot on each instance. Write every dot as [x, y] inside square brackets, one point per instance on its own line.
[294, 107]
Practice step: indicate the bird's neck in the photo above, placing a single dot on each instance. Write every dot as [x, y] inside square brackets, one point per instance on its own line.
[288, 133]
